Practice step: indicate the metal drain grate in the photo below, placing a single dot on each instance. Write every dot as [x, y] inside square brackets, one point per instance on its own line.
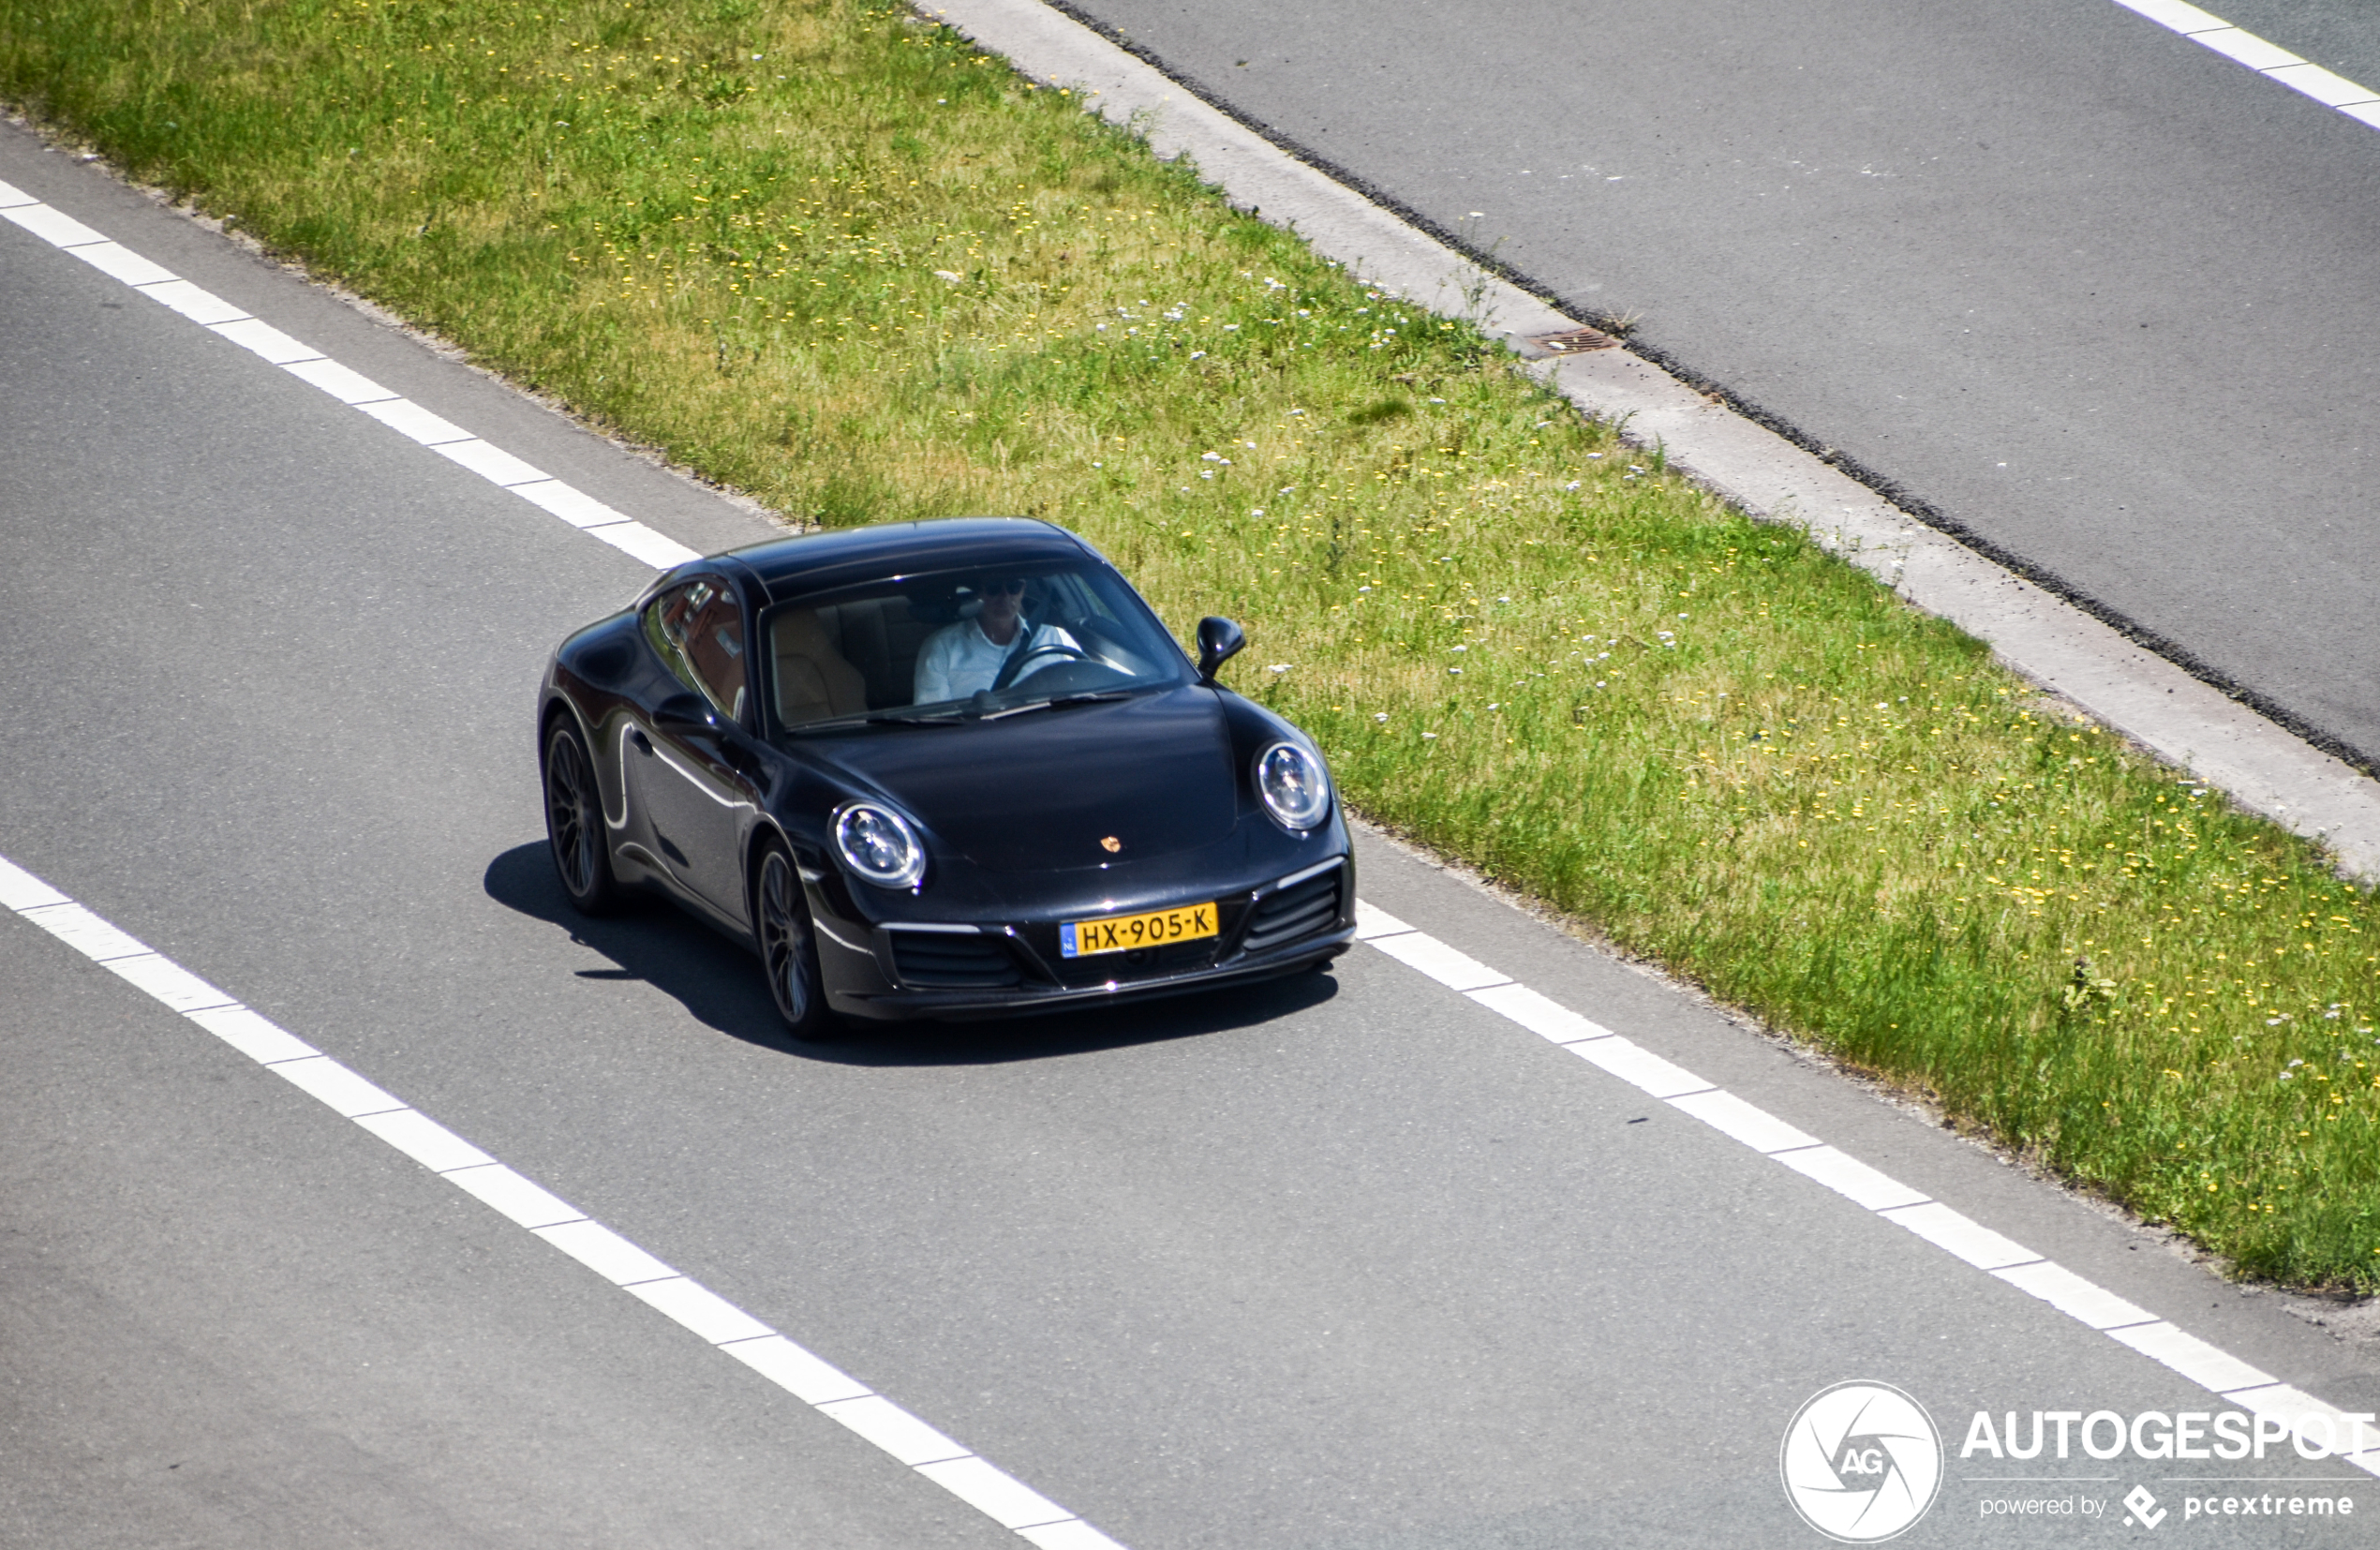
[1574, 342]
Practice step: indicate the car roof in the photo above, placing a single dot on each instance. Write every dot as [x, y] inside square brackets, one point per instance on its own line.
[842, 556]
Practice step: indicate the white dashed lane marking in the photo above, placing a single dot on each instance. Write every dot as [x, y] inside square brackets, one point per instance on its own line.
[1891, 1200]
[679, 1298]
[807, 1378]
[311, 365]
[2270, 60]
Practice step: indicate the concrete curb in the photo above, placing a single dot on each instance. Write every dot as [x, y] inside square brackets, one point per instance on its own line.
[2058, 646]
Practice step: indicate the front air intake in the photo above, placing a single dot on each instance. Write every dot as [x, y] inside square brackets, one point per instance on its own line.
[1299, 910]
[947, 961]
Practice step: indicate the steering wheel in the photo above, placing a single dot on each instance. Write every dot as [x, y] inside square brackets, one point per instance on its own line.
[1013, 668]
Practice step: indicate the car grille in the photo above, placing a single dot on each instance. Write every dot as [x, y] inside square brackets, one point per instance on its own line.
[1296, 911]
[946, 960]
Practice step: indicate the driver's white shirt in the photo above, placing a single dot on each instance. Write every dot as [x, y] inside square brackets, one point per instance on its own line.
[960, 658]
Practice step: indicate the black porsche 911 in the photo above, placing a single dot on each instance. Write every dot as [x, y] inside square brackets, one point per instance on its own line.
[939, 768]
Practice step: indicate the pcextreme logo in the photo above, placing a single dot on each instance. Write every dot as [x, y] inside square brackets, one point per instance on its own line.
[1861, 1462]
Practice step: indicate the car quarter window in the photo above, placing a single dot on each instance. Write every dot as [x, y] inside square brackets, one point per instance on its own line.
[697, 629]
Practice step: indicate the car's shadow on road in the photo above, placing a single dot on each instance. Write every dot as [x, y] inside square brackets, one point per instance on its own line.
[719, 983]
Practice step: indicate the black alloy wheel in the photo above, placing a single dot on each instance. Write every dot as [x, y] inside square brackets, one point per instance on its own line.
[574, 824]
[787, 952]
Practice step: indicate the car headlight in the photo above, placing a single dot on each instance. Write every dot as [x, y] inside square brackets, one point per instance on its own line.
[1295, 789]
[878, 844]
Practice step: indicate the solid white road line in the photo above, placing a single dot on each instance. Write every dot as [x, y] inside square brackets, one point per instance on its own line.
[1638, 1067]
[169, 982]
[1956, 1234]
[203, 307]
[2331, 91]
[501, 1190]
[1451, 969]
[700, 1309]
[577, 509]
[2267, 59]
[424, 1139]
[1539, 1014]
[795, 1370]
[683, 1301]
[1849, 1178]
[309, 365]
[494, 464]
[54, 227]
[85, 933]
[245, 1031]
[346, 1094]
[267, 341]
[1953, 1233]
[122, 264]
[995, 1493]
[1731, 1116]
[414, 422]
[348, 387]
[604, 1252]
[893, 1430]
[2072, 1296]
[2244, 47]
[2192, 1357]
[638, 542]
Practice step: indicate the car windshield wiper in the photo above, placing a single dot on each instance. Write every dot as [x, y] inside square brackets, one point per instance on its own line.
[1088, 697]
[954, 715]
[880, 717]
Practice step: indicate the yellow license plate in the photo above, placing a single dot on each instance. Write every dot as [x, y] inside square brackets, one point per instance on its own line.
[1123, 932]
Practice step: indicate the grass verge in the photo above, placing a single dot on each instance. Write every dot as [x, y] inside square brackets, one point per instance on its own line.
[830, 255]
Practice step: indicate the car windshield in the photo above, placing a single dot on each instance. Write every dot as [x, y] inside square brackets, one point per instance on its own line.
[957, 645]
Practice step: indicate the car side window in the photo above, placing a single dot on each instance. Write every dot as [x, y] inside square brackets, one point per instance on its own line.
[698, 632]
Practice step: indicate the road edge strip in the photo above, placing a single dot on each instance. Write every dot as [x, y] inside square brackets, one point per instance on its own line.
[2183, 718]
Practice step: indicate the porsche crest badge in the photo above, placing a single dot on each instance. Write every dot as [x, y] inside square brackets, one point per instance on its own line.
[1111, 844]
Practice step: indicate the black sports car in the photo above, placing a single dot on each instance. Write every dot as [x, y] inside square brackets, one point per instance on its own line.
[939, 768]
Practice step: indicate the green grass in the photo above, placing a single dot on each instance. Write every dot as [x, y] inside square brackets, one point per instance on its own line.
[832, 257]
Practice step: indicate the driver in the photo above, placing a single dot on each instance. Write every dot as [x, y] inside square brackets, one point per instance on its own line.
[965, 658]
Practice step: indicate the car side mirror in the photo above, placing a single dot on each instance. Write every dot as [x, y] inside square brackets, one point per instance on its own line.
[1219, 641]
[685, 713]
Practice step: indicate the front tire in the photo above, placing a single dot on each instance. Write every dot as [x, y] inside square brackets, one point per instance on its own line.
[575, 828]
[788, 953]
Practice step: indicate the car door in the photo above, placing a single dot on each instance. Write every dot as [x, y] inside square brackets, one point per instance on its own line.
[692, 780]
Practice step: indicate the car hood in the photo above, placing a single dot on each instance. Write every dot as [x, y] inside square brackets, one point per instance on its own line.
[1043, 790]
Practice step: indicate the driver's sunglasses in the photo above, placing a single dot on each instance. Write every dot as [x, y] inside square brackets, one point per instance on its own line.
[1013, 584]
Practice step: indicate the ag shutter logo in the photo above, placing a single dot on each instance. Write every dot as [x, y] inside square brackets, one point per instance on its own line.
[1861, 1462]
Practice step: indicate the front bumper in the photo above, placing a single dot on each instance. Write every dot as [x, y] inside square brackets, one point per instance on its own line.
[910, 970]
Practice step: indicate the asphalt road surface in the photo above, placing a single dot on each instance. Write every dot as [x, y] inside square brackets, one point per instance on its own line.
[2091, 292]
[1342, 1261]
